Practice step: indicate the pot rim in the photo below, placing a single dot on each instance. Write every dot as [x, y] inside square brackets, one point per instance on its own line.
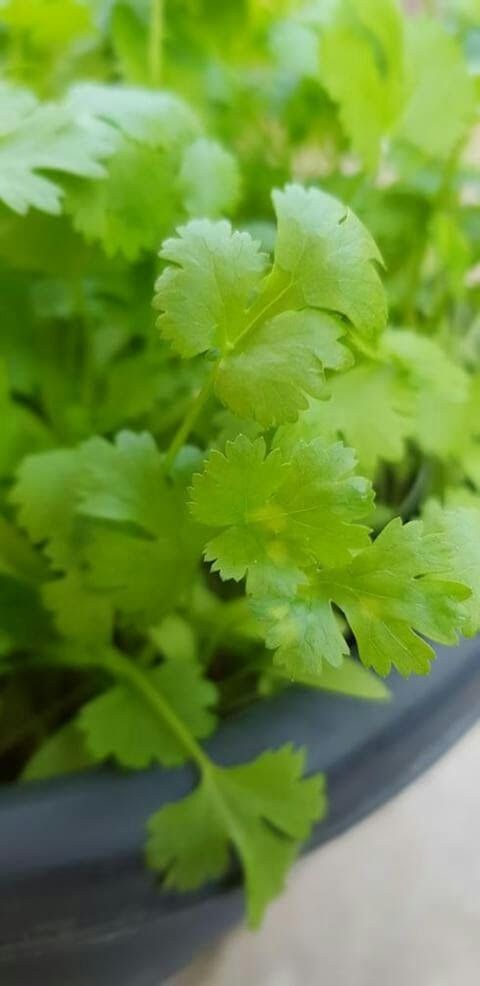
[62, 829]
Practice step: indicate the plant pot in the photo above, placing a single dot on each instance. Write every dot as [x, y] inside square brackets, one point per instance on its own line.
[78, 907]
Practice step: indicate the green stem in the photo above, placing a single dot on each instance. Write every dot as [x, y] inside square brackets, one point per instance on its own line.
[189, 420]
[155, 42]
[124, 668]
[416, 493]
[260, 316]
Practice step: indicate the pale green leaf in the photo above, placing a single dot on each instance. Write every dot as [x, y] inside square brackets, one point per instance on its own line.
[209, 179]
[120, 723]
[263, 809]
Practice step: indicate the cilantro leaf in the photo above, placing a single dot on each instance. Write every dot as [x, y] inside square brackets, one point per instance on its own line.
[439, 93]
[124, 482]
[147, 116]
[44, 495]
[459, 526]
[42, 138]
[268, 375]
[279, 329]
[439, 389]
[203, 297]
[144, 579]
[78, 611]
[64, 752]
[119, 723]
[395, 590]
[129, 211]
[351, 678]
[280, 513]
[303, 632]
[263, 809]
[361, 63]
[325, 258]
[377, 434]
[209, 179]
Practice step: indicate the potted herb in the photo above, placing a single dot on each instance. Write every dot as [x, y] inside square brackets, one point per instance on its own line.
[222, 530]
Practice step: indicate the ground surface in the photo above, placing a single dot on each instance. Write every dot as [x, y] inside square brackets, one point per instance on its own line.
[396, 901]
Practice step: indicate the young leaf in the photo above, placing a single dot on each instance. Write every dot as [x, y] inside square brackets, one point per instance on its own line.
[325, 258]
[78, 611]
[262, 809]
[119, 723]
[129, 211]
[395, 590]
[280, 513]
[361, 63]
[379, 432]
[303, 631]
[439, 92]
[204, 296]
[439, 390]
[209, 179]
[459, 526]
[50, 137]
[125, 482]
[142, 570]
[270, 372]
[44, 495]
[272, 337]
[64, 752]
[349, 679]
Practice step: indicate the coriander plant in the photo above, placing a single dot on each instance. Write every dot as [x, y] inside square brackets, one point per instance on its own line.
[278, 481]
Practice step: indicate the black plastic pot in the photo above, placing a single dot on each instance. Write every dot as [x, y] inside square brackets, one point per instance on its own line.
[78, 908]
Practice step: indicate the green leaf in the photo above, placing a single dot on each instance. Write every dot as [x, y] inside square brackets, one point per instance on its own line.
[125, 482]
[129, 211]
[64, 752]
[439, 388]
[78, 611]
[17, 557]
[209, 179]
[459, 526]
[304, 632]
[272, 337]
[280, 513]
[325, 258]
[46, 137]
[439, 93]
[143, 579]
[147, 116]
[44, 495]
[24, 624]
[349, 679]
[23, 431]
[204, 295]
[361, 63]
[119, 723]
[175, 638]
[48, 25]
[395, 590]
[269, 374]
[144, 558]
[263, 809]
[378, 432]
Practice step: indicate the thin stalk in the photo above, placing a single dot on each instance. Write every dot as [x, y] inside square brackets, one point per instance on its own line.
[136, 676]
[262, 314]
[155, 42]
[123, 668]
[189, 420]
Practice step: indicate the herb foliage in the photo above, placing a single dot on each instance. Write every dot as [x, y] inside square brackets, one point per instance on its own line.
[286, 467]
